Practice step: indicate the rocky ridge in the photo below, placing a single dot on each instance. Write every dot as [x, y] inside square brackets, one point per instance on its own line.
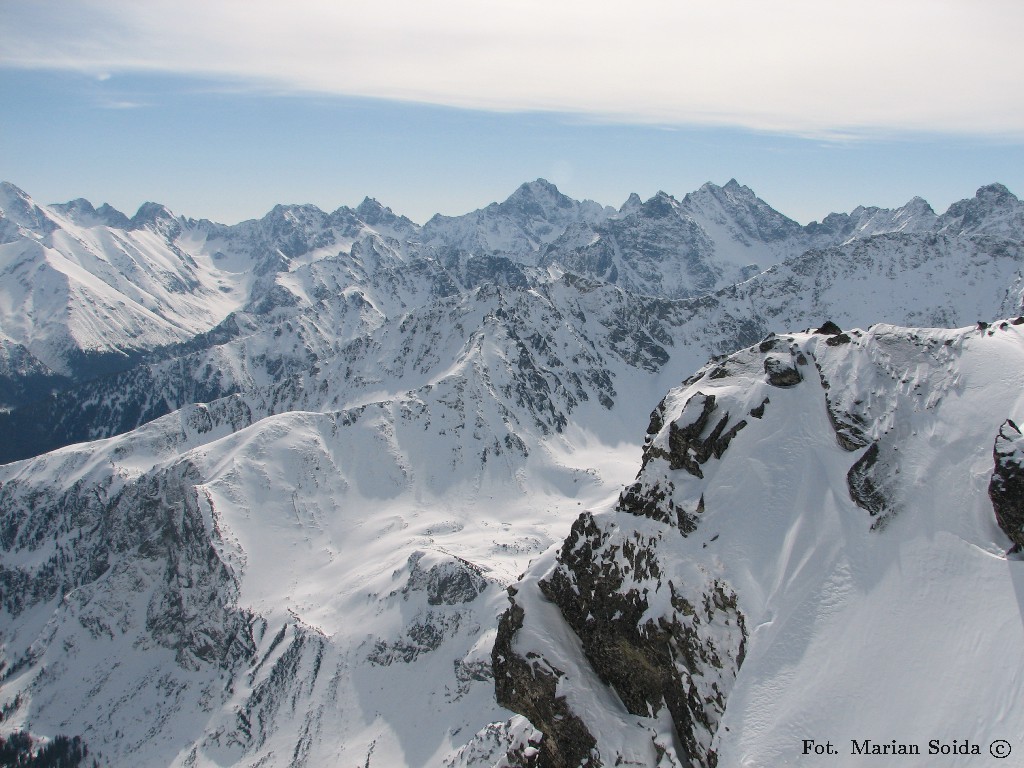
[627, 645]
[323, 496]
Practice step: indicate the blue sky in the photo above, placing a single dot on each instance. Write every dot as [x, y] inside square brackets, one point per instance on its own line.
[222, 113]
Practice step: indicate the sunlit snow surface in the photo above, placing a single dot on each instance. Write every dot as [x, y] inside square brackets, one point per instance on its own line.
[904, 627]
[308, 568]
[909, 632]
[321, 520]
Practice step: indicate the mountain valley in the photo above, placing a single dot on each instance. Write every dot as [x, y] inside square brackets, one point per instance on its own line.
[548, 484]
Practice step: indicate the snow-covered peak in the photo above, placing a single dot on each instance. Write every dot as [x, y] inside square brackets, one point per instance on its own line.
[76, 210]
[536, 214]
[540, 199]
[381, 218]
[994, 210]
[632, 204]
[661, 205]
[19, 214]
[864, 222]
[541, 192]
[766, 575]
[737, 207]
[316, 502]
[80, 211]
[295, 215]
[918, 206]
[371, 210]
[158, 218]
[13, 198]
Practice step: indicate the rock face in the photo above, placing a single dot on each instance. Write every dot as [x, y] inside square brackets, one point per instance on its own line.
[629, 644]
[1006, 489]
[532, 689]
[330, 441]
[676, 660]
[666, 638]
[781, 371]
[683, 660]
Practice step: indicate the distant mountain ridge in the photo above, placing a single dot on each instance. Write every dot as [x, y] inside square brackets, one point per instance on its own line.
[89, 291]
[264, 486]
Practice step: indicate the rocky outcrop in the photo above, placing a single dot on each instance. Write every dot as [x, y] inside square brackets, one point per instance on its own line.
[1006, 488]
[153, 526]
[675, 660]
[866, 481]
[678, 652]
[528, 686]
[666, 638]
[449, 582]
[688, 445]
[781, 370]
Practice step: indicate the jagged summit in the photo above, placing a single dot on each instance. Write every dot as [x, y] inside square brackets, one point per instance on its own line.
[994, 194]
[264, 476]
[633, 202]
[712, 238]
[540, 190]
[994, 209]
[376, 214]
[19, 214]
[82, 212]
[150, 213]
[371, 207]
[534, 215]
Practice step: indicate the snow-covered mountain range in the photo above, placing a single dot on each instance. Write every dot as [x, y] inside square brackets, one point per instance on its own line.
[270, 482]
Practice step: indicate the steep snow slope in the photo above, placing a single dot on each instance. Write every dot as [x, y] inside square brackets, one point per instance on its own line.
[809, 552]
[375, 322]
[386, 432]
[71, 291]
[234, 594]
[86, 291]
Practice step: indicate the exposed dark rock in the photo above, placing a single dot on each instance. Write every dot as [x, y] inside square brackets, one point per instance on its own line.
[156, 520]
[758, 411]
[862, 488]
[687, 449]
[769, 343]
[657, 420]
[781, 370]
[839, 338]
[451, 582]
[684, 660]
[20, 750]
[829, 329]
[424, 635]
[1006, 488]
[868, 481]
[528, 686]
[847, 426]
[656, 503]
[719, 372]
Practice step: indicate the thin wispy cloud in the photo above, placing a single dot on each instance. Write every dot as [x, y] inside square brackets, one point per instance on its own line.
[798, 66]
[120, 104]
